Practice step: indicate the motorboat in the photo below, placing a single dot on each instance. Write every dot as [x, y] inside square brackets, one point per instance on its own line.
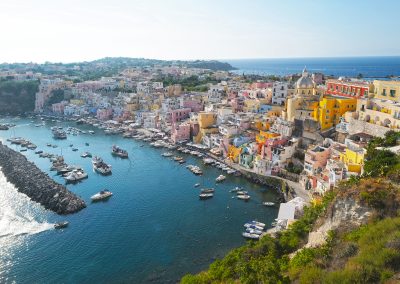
[102, 195]
[177, 158]
[206, 195]
[243, 197]
[59, 134]
[268, 203]
[61, 225]
[236, 189]
[241, 192]
[207, 190]
[86, 155]
[167, 154]
[100, 166]
[117, 151]
[75, 175]
[197, 185]
[220, 178]
[256, 223]
[182, 161]
[74, 149]
[254, 231]
[39, 152]
[254, 227]
[250, 236]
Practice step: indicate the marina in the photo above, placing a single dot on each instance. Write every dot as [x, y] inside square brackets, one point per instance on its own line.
[147, 186]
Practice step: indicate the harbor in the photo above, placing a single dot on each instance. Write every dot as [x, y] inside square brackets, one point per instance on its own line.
[155, 206]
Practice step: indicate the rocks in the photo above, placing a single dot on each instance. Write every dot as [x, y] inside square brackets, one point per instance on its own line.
[30, 180]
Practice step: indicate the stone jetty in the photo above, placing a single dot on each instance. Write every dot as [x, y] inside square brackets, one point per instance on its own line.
[30, 180]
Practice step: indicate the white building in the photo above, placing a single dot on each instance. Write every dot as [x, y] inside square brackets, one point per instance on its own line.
[279, 93]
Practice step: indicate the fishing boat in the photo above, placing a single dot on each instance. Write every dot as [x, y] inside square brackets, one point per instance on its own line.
[205, 195]
[220, 178]
[268, 203]
[102, 195]
[117, 151]
[100, 166]
[61, 225]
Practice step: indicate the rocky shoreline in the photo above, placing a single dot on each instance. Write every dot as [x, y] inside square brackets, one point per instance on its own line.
[30, 180]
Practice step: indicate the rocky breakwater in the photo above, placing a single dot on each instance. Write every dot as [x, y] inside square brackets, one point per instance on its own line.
[30, 180]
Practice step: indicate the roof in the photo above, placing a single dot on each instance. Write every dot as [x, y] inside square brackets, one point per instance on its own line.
[286, 211]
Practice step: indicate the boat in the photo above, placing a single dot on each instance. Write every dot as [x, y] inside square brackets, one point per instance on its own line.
[61, 225]
[117, 151]
[254, 231]
[59, 134]
[197, 185]
[250, 236]
[206, 195]
[268, 203]
[207, 190]
[236, 189]
[243, 197]
[86, 144]
[254, 227]
[256, 223]
[39, 152]
[241, 192]
[100, 166]
[75, 175]
[23, 150]
[177, 158]
[102, 195]
[182, 162]
[74, 149]
[220, 178]
[167, 154]
[86, 155]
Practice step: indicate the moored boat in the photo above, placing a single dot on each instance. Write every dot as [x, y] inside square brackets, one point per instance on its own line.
[220, 178]
[207, 190]
[102, 195]
[117, 151]
[206, 195]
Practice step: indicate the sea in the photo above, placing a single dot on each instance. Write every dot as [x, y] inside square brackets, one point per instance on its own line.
[154, 229]
[370, 67]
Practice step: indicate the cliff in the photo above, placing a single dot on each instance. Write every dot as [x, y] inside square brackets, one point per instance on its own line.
[30, 180]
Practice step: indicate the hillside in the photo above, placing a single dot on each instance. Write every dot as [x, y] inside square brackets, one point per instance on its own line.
[352, 235]
[17, 97]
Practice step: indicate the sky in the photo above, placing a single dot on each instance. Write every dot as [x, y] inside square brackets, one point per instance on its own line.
[83, 30]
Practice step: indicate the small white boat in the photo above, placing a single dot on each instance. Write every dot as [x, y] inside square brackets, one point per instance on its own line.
[206, 195]
[75, 175]
[196, 184]
[268, 203]
[253, 227]
[241, 192]
[167, 154]
[250, 236]
[102, 195]
[256, 223]
[220, 178]
[254, 231]
[243, 197]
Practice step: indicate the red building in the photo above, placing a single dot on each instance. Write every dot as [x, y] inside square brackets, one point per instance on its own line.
[347, 88]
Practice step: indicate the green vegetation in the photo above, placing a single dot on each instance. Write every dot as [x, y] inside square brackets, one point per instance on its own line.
[56, 96]
[292, 168]
[17, 97]
[190, 84]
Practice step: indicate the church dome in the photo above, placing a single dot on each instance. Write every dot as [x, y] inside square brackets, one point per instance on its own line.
[305, 82]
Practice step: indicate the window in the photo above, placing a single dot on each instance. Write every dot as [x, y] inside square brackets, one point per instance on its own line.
[392, 93]
[384, 92]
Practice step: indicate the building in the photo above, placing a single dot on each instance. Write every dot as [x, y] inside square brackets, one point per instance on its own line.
[387, 90]
[348, 88]
[331, 109]
[279, 93]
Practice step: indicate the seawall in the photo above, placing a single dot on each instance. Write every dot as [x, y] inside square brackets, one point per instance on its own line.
[37, 185]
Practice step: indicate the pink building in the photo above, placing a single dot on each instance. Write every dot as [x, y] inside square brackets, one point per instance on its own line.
[261, 85]
[181, 133]
[237, 104]
[59, 107]
[178, 114]
[104, 114]
[315, 159]
[194, 105]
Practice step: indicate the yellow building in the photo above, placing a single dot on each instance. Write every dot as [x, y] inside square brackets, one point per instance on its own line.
[331, 109]
[263, 136]
[354, 160]
[207, 119]
[77, 102]
[387, 90]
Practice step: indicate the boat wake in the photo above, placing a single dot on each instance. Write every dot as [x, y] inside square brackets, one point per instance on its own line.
[18, 214]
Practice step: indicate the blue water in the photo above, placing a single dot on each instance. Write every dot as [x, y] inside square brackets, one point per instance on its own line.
[154, 228]
[347, 66]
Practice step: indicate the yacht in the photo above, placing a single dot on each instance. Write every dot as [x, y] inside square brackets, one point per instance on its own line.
[102, 195]
[207, 190]
[75, 175]
[220, 178]
[117, 151]
[100, 166]
[268, 203]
